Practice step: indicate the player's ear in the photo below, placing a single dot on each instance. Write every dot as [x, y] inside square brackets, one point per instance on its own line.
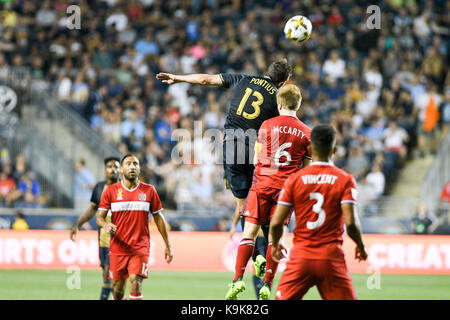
[280, 107]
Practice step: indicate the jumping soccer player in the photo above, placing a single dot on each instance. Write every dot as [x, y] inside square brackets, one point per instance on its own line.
[282, 147]
[112, 165]
[130, 202]
[323, 198]
[252, 102]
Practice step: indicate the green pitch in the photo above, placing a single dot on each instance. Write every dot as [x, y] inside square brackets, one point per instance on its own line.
[172, 285]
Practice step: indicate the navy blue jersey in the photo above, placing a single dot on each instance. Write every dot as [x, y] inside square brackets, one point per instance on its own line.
[253, 101]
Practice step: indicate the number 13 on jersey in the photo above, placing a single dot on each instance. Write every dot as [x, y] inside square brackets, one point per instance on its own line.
[255, 104]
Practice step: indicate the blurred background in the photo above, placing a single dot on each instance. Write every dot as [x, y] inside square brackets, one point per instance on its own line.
[71, 97]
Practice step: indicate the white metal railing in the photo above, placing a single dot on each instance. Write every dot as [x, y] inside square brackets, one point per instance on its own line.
[437, 176]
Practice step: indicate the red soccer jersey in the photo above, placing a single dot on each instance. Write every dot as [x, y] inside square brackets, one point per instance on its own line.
[316, 193]
[130, 213]
[285, 140]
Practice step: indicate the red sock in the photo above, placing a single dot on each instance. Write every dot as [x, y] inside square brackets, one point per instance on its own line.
[136, 296]
[244, 253]
[271, 266]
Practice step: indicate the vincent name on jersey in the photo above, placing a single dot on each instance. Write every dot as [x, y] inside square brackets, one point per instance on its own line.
[319, 178]
[289, 130]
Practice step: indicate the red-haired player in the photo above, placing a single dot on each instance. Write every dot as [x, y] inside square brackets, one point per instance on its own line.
[323, 198]
[130, 202]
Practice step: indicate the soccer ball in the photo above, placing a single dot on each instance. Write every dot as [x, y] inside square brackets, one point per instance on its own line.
[298, 29]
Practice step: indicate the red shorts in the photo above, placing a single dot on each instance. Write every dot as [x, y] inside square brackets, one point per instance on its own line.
[330, 276]
[260, 204]
[121, 266]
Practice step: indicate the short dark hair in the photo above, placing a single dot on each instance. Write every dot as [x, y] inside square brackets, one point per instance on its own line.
[108, 159]
[126, 156]
[323, 139]
[279, 71]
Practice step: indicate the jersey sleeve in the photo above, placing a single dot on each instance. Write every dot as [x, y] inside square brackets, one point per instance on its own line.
[350, 194]
[96, 196]
[155, 202]
[308, 154]
[230, 80]
[285, 198]
[105, 202]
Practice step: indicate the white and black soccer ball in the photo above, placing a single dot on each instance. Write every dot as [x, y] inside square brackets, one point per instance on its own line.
[298, 29]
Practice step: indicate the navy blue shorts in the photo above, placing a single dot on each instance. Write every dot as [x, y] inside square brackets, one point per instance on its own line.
[104, 256]
[238, 167]
[238, 178]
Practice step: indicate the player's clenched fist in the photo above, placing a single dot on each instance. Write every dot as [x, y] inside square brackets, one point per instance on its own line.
[110, 228]
[168, 254]
[360, 253]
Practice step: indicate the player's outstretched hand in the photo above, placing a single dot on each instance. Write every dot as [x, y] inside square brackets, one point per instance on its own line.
[360, 253]
[168, 254]
[73, 233]
[167, 78]
[110, 228]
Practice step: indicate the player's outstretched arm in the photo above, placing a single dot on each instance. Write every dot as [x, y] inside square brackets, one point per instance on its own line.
[162, 228]
[101, 222]
[90, 212]
[276, 230]
[354, 229]
[197, 78]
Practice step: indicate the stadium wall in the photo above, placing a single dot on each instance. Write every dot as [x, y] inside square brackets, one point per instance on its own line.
[215, 251]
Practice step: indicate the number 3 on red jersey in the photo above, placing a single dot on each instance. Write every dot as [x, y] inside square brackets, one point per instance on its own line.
[317, 208]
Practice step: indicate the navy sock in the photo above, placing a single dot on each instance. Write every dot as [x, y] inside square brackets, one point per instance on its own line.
[104, 295]
[257, 283]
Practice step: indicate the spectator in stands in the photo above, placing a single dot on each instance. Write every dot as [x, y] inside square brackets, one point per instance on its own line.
[20, 168]
[84, 181]
[357, 162]
[445, 193]
[28, 201]
[26, 183]
[366, 197]
[7, 186]
[395, 139]
[20, 222]
[375, 178]
[423, 222]
[334, 67]
[428, 104]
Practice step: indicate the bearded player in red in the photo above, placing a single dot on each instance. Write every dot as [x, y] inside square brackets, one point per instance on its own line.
[323, 198]
[281, 149]
[130, 202]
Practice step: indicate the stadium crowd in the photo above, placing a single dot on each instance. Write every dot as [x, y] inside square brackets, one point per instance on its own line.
[386, 90]
[19, 187]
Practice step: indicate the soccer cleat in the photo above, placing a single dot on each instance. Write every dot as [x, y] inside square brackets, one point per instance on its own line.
[260, 266]
[236, 288]
[264, 293]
